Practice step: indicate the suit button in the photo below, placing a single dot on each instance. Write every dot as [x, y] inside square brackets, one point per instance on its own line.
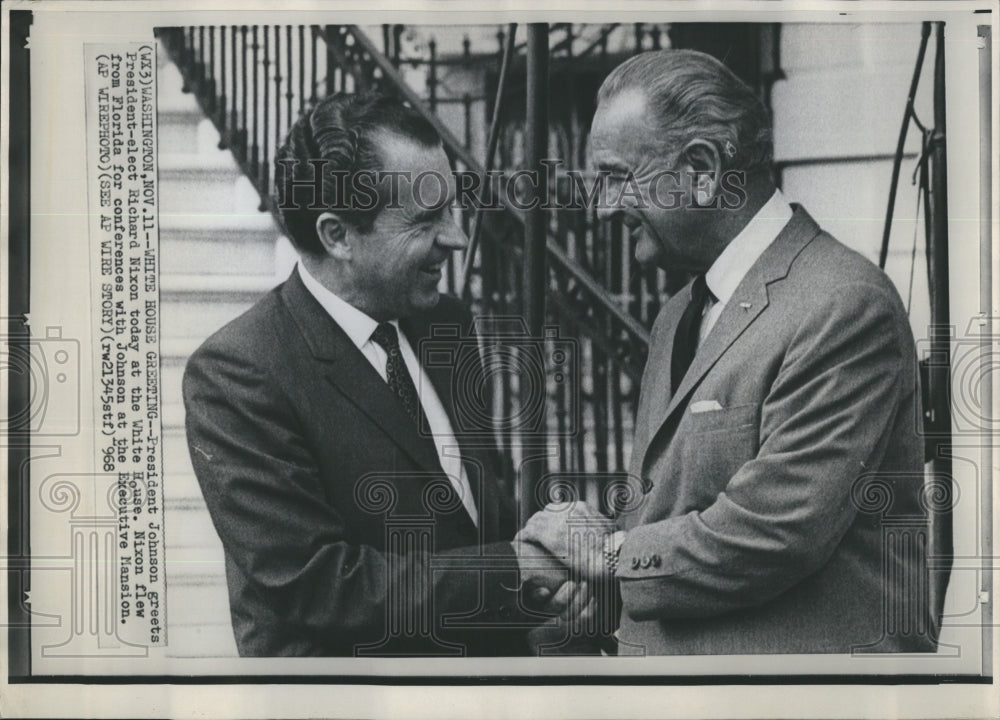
[647, 485]
[655, 560]
[635, 563]
[645, 562]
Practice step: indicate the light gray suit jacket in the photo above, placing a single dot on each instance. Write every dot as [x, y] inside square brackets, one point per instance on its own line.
[791, 519]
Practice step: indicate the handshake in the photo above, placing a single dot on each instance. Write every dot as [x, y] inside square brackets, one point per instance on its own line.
[562, 553]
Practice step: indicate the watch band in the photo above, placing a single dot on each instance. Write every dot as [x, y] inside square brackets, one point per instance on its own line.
[612, 551]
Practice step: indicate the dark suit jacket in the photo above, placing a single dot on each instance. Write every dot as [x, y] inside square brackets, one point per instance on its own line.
[788, 519]
[329, 503]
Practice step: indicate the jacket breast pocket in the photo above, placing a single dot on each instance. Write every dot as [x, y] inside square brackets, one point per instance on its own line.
[717, 443]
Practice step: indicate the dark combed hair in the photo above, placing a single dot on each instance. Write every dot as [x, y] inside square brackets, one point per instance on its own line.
[693, 95]
[339, 130]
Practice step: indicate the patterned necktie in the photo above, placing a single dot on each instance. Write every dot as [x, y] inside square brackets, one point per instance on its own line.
[686, 339]
[398, 376]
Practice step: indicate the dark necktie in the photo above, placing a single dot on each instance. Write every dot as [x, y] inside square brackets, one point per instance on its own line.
[398, 376]
[686, 339]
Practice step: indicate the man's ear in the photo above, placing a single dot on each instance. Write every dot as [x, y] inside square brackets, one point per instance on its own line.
[332, 232]
[701, 159]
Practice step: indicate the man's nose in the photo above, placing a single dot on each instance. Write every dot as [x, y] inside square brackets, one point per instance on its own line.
[452, 237]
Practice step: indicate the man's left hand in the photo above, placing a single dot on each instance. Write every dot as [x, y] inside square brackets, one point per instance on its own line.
[572, 532]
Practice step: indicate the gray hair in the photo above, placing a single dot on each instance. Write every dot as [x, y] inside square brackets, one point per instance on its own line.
[693, 95]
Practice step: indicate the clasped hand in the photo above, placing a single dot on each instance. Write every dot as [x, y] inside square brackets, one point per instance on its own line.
[563, 541]
[559, 550]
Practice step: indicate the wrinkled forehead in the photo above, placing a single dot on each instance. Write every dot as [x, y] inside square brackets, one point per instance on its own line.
[622, 127]
[627, 108]
[412, 173]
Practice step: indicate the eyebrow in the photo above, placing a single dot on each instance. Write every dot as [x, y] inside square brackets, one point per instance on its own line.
[433, 213]
[430, 213]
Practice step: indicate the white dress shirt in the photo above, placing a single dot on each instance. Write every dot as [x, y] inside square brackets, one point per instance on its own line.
[359, 328]
[729, 269]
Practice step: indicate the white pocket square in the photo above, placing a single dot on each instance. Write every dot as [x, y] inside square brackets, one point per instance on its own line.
[705, 406]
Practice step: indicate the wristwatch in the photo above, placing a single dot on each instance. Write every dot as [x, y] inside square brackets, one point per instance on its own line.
[612, 549]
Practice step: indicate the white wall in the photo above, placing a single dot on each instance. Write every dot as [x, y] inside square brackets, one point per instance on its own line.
[844, 97]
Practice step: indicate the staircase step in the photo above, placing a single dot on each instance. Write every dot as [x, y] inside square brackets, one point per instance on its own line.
[202, 314]
[171, 379]
[202, 164]
[196, 566]
[183, 491]
[199, 196]
[195, 306]
[177, 130]
[190, 528]
[178, 472]
[172, 415]
[242, 222]
[194, 256]
[220, 244]
[176, 351]
[215, 287]
[186, 564]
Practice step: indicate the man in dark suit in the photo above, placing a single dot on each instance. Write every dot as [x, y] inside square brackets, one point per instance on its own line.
[776, 439]
[359, 510]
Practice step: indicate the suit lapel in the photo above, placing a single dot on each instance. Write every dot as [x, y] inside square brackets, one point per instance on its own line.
[747, 304]
[656, 378]
[347, 369]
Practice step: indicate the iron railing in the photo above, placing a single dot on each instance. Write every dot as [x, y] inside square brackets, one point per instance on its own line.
[254, 81]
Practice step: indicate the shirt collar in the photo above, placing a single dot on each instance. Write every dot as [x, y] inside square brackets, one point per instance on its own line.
[358, 326]
[735, 262]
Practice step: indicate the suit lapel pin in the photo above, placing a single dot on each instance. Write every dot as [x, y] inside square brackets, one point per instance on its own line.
[746, 306]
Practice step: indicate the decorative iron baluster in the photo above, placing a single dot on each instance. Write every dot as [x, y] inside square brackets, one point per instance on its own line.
[397, 36]
[277, 87]
[244, 107]
[614, 285]
[289, 94]
[655, 33]
[467, 117]
[233, 118]
[314, 37]
[200, 80]
[599, 370]
[220, 119]
[302, 71]
[331, 32]
[188, 59]
[254, 147]
[264, 168]
[432, 81]
[653, 294]
[209, 91]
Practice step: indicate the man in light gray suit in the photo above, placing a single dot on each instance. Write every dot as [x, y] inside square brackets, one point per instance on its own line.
[777, 423]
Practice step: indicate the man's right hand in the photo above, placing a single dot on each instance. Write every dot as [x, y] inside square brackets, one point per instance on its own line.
[574, 608]
[542, 575]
